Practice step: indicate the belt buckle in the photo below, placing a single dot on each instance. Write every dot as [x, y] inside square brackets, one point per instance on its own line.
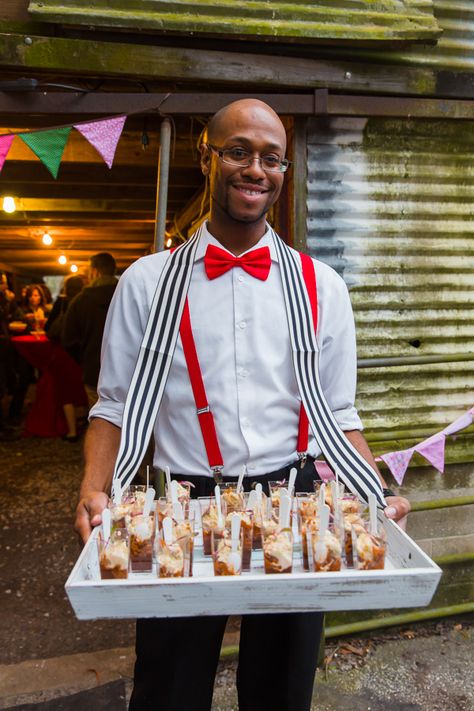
[302, 456]
[217, 473]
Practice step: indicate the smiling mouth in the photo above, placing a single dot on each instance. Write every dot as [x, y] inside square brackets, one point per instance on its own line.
[249, 191]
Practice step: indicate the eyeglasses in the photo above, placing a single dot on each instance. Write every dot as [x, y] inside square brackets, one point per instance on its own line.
[242, 158]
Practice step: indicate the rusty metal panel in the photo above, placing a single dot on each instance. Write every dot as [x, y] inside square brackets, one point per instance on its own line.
[391, 208]
[343, 20]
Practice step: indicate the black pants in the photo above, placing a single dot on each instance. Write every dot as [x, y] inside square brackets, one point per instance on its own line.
[177, 658]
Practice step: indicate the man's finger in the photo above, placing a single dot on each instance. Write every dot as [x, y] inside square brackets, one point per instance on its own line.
[397, 508]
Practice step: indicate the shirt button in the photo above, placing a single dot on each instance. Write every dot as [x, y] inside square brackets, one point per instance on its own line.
[242, 324]
[240, 277]
[245, 422]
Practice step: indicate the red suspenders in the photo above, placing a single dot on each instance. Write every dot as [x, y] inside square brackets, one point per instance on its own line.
[205, 417]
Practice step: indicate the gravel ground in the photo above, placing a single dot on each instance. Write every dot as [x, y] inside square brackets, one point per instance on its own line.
[39, 479]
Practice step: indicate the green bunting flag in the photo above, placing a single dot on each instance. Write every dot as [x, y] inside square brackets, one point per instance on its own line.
[48, 146]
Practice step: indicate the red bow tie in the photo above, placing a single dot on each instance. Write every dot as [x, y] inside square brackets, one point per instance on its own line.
[256, 263]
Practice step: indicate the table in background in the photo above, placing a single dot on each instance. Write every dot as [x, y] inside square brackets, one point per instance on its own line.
[60, 378]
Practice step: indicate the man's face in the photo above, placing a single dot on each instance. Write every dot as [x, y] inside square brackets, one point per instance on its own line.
[245, 194]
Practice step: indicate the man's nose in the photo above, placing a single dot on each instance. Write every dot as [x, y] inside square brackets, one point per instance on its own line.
[254, 168]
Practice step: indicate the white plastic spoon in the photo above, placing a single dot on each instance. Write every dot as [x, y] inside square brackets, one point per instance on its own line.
[252, 500]
[178, 511]
[168, 478]
[117, 492]
[373, 513]
[284, 512]
[240, 479]
[106, 524]
[149, 501]
[217, 493]
[320, 550]
[292, 479]
[173, 491]
[168, 530]
[234, 557]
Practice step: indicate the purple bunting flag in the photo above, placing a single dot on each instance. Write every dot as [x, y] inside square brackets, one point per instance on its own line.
[103, 136]
[5, 143]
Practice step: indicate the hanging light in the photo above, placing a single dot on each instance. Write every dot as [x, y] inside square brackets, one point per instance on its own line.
[62, 259]
[74, 268]
[9, 204]
[168, 242]
[47, 240]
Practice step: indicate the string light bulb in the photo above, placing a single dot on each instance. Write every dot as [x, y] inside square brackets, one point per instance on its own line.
[62, 259]
[9, 204]
[74, 268]
[47, 240]
[169, 242]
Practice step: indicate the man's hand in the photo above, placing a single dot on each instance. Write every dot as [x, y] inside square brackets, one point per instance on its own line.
[88, 513]
[397, 509]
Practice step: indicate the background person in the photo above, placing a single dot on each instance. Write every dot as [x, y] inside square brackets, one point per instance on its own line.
[85, 320]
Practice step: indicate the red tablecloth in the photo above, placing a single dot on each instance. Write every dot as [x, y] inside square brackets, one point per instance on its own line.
[60, 382]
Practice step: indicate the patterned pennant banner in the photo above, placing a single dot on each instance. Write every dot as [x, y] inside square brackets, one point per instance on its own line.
[104, 136]
[432, 449]
[48, 146]
[5, 143]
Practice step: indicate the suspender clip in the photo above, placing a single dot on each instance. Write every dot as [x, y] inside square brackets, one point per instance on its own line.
[217, 471]
[302, 456]
[202, 410]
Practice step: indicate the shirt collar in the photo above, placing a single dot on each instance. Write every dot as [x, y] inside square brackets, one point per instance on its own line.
[206, 239]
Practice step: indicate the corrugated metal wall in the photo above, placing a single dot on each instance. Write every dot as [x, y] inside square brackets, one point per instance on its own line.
[364, 20]
[391, 208]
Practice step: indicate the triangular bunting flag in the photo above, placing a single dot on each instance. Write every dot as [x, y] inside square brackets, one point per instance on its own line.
[5, 143]
[104, 136]
[48, 146]
[460, 424]
[432, 449]
[398, 462]
[325, 472]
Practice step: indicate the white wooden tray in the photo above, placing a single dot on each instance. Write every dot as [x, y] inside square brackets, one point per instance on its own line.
[410, 579]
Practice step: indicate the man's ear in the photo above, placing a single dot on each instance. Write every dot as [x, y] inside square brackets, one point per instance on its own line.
[205, 158]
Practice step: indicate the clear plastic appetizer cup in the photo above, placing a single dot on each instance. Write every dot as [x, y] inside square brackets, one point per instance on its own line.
[120, 513]
[234, 501]
[114, 555]
[306, 505]
[210, 520]
[246, 527]
[352, 520]
[135, 495]
[307, 528]
[184, 492]
[170, 559]
[183, 534]
[277, 549]
[164, 508]
[142, 532]
[369, 548]
[226, 560]
[327, 552]
[274, 488]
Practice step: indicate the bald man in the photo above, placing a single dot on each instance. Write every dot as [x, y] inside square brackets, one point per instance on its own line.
[239, 324]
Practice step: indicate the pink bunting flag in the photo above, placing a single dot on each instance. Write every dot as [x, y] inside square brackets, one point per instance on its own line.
[5, 143]
[460, 424]
[325, 472]
[398, 462]
[432, 449]
[104, 136]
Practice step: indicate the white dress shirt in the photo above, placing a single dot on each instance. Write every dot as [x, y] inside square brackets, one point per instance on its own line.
[241, 333]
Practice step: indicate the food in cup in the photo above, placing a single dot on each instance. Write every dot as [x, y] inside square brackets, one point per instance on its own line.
[210, 521]
[141, 529]
[226, 560]
[369, 549]
[277, 550]
[171, 559]
[327, 553]
[234, 500]
[114, 556]
[246, 526]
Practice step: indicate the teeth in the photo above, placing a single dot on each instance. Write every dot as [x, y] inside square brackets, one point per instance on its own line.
[251, 192]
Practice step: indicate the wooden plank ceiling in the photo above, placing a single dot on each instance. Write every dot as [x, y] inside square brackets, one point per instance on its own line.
[90, 208]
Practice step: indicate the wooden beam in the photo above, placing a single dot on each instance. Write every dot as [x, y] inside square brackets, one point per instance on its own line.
[206, 68]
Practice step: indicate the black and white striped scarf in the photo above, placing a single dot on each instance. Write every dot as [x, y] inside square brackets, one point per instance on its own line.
[156, 354]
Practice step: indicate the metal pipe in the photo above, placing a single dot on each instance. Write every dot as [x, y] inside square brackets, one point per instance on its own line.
[162, 185]
[395, 620]
[413, 360]
[442, 503]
